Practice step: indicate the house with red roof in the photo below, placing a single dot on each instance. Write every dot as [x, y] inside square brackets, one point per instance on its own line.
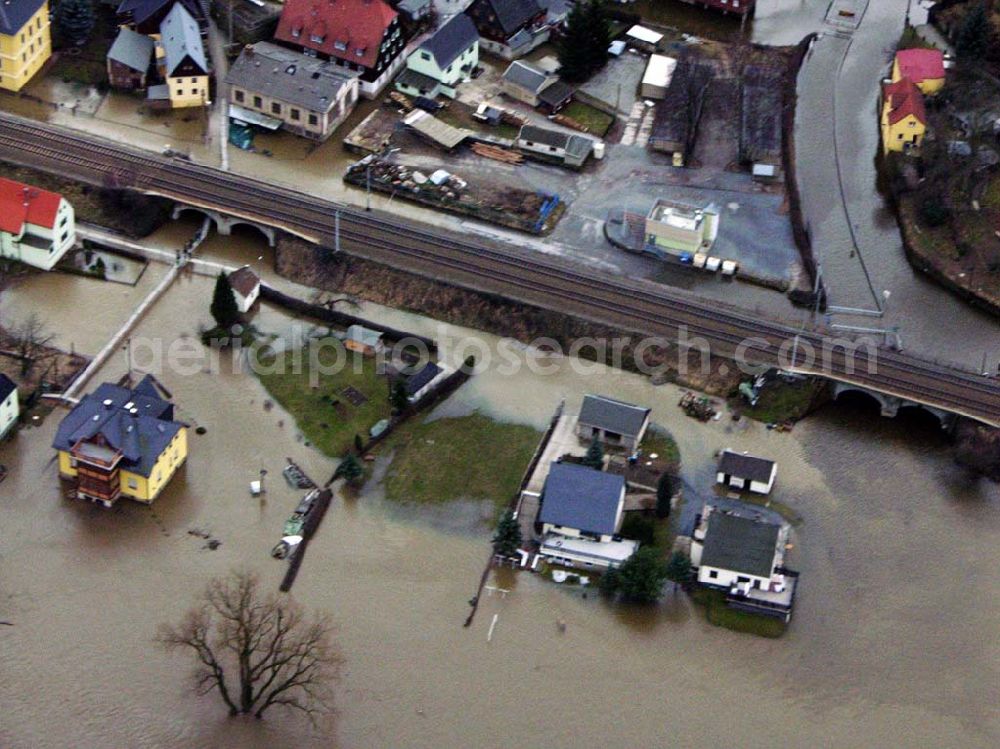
[360, 35]
[925, 67]
[37, 227]
[904, 118]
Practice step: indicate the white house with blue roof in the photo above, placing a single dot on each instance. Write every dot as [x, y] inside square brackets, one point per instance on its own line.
[442, 62]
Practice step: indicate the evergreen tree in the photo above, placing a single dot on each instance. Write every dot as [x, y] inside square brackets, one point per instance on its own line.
[76, 21]
[973, 36]
[359, 444]
[641, 577]
[398, 400]
[679, 568]
[666, 488]
[595, 455]
[350, 469]
[224, 308]
[584, 47]
[507, 539]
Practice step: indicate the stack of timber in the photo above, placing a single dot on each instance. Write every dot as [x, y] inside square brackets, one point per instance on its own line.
[496, 153]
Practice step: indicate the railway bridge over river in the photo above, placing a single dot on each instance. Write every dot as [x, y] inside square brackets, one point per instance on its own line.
[504, 269]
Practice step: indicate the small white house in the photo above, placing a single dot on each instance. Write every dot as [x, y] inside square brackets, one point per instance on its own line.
[613, 422]
[37, 227]
[246, 287]
[442, 62]
[9, 405]
[745, 471]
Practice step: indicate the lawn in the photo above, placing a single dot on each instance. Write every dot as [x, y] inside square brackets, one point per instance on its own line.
[469, 457]
[659, 442]
[719, 614]
[780, 401]
[325, 415]
[457, 114]
[596, 121]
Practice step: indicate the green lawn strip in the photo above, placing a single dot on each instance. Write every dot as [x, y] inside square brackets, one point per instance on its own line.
[468, 457]
[721, 615]
[783, 401]
[330, 428]
[659, 442]
[593, 119]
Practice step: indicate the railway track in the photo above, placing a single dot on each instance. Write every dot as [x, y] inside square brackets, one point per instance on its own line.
[504, 269]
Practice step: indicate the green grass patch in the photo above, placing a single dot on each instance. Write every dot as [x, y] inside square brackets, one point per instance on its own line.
[593, 119]
[659, 442]
[325, 414]
[468, 457]
[781, 401]
[719, 614]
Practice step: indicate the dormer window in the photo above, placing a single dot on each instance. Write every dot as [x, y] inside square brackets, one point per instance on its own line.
[296, 31]
[316, 38]
[360, 51]
[340, 46]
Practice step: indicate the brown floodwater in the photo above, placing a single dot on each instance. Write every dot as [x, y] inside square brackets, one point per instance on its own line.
[894, 641]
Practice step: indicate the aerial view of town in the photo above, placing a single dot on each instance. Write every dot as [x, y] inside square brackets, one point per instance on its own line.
[489, 373]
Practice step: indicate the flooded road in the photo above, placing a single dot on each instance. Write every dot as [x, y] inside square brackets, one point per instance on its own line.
[894, 641]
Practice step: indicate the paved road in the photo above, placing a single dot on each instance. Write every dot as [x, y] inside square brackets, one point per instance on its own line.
[548, 282]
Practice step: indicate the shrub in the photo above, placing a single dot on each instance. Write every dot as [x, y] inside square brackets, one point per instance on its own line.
[933, 211]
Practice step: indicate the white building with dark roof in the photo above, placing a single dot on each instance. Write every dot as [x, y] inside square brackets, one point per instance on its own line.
[613, 422]
[745, 471]
[545, 144]
[275, 87]
[442, 62]
[181, 62]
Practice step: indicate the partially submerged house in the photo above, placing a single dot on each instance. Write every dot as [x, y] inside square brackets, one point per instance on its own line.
[580, 516]
[10, 409]
[37, 227]
[679, 228]
[364, 340]
[121, 442]
[613, 422]
[443, 61]
[509, 28]
[130, 60]
[566, 149]
[181, 63]
[246, 287]
[275, 87]
[363, 36]
[745, 557]
[745, 471]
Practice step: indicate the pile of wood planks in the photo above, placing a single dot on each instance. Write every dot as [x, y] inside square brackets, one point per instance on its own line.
[497, 153]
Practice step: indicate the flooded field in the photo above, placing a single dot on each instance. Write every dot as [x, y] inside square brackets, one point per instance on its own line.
[893, 641]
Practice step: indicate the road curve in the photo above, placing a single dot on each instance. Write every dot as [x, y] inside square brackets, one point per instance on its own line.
[500, 268]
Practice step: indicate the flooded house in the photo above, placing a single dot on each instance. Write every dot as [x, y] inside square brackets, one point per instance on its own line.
[745, 471]
[246, 287]
[181, 63]
[9, 406]
[614, 423]
[442, 62]
[580, 516]
[745, 557]
[37, 226]
[121, 442]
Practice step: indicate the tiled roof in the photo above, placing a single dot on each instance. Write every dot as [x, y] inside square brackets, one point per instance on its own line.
[13, 15]
[579, 497]
[904, 99]
[920, 64]
[350, 30]
[451, 40]
[21, 204]
[613, 415]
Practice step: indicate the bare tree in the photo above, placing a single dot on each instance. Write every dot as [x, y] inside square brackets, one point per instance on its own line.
[30, 337]
[257, 650]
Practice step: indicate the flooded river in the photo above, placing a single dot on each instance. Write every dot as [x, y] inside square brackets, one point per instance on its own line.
[894, 641]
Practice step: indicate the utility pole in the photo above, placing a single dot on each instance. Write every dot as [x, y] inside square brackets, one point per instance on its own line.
[368, 186]
[336, 231]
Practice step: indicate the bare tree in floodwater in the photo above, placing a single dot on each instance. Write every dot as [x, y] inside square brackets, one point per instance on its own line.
[30, 338]
[257, 650]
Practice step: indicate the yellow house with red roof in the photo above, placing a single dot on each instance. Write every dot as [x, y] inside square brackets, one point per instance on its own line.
[25, 41]
[904, 119]
[37, 227]
[925, 67]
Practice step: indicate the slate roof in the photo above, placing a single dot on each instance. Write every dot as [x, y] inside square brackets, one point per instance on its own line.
[356, 25]
[613, 415]
[451, 40]
[7, 387]
[740, 544]
[579, 497]
[904, 99]
[290, 76]
[419, 379]
[526, 76]
[745, 466]
[141, 437]
[513, 14]
[181, 38]
[544, 135]
[14, 15]
[132, 50]
[920, 64]
[22, 204]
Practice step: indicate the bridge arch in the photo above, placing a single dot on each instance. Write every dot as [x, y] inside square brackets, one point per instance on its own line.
[890, 405]
[224, 224]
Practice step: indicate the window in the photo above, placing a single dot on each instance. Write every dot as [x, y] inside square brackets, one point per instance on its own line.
[194, 80]
[318, 39]
[275, 108]
[296, 115]
[180, 92]
[313, 119]
[239, 96]
[258, 102]
[713, 574]
[133, 484]
[425, 55]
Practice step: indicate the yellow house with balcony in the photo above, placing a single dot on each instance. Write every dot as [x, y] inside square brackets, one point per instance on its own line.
[121, 442]
[25, 41]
